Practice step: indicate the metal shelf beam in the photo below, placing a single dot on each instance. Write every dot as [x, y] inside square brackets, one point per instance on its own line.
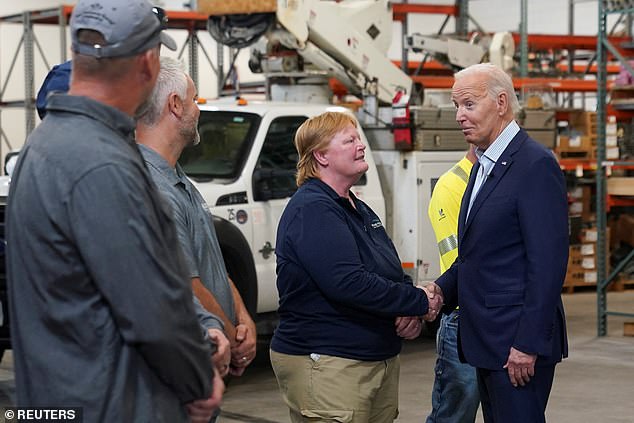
[557, 84]
[604, 44]
[60, 16]
[564, 42]
[401, 10]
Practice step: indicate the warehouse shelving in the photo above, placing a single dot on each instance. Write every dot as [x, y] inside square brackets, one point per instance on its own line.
[564, 85]
[28, 42]
[183, 20]
[605, 45]
[437, 75]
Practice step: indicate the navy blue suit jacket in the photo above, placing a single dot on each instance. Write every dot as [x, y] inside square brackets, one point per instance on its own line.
[512, 258]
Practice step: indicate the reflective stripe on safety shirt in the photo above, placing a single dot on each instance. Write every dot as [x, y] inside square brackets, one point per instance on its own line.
[444, 208]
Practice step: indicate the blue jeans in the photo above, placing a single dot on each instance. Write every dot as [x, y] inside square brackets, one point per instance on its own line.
[455, 397]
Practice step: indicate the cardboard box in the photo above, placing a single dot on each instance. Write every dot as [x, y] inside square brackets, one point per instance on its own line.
[587, 249]
[580, 277]
[589, 235]
[625, 229]
[435, 118]
[575, 208]
[575, 192]
[611, 140]
[546, 138]
[584, 122]
[579, 262]
[439, 139]
[537, 119]
[611, 129]
[621, 185]
[581, 204]
[612, 153]
[574, 143]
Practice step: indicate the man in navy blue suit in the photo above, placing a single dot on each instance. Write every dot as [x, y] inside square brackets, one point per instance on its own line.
[512, 253]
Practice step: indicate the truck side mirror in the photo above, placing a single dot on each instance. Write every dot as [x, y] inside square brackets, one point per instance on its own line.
[261, 189]
[9, 162]
[271, 184]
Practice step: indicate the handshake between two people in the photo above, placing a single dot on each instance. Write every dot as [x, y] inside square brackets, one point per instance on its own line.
[435, 299]
[410, 327]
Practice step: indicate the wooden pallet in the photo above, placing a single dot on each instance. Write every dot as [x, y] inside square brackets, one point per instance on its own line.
[571, 289]
[619, 285]
[584, 122]
[574, 154]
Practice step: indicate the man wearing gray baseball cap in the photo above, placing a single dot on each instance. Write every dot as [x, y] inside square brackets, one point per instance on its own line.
[128, 28]
[102, 317]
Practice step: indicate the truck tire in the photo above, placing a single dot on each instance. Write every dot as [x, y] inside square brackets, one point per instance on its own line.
[239, 262]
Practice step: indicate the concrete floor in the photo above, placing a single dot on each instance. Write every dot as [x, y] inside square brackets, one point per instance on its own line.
[595, 384]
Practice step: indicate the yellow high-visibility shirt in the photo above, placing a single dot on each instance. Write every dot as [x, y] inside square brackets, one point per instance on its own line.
[444, 209]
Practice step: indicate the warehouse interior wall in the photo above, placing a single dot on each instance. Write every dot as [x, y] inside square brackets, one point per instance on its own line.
[492, 15]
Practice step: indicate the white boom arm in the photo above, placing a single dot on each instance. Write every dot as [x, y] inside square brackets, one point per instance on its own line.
[349, 38]
[500, 49]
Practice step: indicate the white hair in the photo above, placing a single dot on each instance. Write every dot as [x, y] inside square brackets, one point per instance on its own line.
[497, 82]
[172, 78]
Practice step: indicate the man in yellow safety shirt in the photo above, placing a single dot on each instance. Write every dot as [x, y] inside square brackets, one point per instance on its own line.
[455, 395]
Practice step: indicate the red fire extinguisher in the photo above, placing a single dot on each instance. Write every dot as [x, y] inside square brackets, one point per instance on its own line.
[401, 121]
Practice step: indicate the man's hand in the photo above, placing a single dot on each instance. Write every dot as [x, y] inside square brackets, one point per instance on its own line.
[520, 366]
[222, 356]
[435, 300]
[408, 327]
[200, 411]
[243, 350]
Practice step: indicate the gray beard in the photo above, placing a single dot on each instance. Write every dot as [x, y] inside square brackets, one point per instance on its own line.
[190, 133]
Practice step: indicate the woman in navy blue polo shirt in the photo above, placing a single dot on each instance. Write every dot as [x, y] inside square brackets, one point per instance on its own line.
[345, 302]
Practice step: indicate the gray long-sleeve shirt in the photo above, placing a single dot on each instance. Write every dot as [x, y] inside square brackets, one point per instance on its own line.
[101, 306]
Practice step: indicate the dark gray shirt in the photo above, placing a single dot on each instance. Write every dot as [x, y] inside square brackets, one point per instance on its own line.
[195, 228]
[101, 309]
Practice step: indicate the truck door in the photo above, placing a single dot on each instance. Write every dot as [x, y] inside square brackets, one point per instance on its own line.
[431, 165]
[273, 185]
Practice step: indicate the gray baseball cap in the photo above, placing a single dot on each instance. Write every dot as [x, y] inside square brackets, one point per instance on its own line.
[129, 27]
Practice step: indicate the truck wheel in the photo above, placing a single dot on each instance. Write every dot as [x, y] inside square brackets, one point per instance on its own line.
[245, 283]
[239, 262]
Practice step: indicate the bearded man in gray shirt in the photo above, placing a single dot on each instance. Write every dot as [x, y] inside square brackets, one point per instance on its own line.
[169, 124]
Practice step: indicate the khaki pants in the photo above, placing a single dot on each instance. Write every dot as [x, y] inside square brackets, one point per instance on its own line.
[323, 388]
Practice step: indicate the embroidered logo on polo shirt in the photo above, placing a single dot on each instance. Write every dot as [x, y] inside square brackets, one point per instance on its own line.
[376, 224]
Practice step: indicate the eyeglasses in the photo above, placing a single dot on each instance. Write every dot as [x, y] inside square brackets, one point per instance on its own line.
[161, 16]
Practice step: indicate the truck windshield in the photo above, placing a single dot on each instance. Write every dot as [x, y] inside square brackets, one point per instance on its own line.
[225, 141]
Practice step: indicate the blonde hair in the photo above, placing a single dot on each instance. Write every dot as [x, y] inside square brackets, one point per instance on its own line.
[314, 135]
